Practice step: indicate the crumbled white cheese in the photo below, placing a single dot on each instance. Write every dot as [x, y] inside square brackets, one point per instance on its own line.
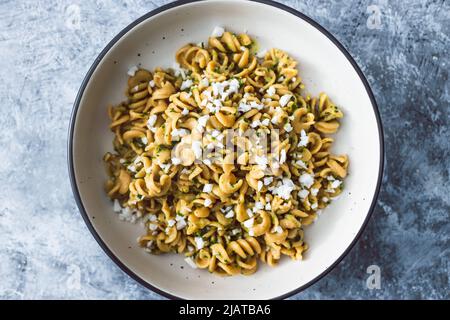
[330, 178]
[314, 191]
[217, 32]
[204, 82]
[165, 166]
[282, 156]
[185, 112]
[234, 85]
[217, 87]
[186, 84]
[288, 127]
[132, 168]
[220, 88]
[207, 187]
[271, 91]
[267, 180]
[243, 107]
[225, 209]
[335, 184]
[219, 137]
[285, 99]
[137, 160]
[235, 231]
[178, 133]
[251, 233]
[149, 244]
[301, 164]
[260, 185]
[278, 229]
[190, 262]
[152, 226]
[204, 102]
[220, 145]
[178, 70]
[304, 139]
[144, 140]
[151, 83]
[314, 206]
[151, 121]
[122, 161]
[208, 95]
[197, 149]
[306, 180]
[261, 54]
[181, 224]
[199, 242]
[230, 214]
[268, 206]
[262, 161]
[207, 202]
[255, 123]
[129, 215]
[250, 213]
[249, 223]
[258, 206]
[274, 119]
[152, 218]
[276, 116]
[284, 189]
[201, 122]
[256, 105]
[303, 194]
[132, 71]
[171, 222]
[176, 161]
[325, 199]
[215, 133]
[117, 206]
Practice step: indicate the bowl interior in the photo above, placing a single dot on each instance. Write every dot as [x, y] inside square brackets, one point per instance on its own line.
[322, 65]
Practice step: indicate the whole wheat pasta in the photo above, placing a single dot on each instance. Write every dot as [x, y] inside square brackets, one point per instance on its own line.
[224, 157]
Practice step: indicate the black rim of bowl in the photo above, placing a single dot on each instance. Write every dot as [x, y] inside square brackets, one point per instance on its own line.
[177, 4]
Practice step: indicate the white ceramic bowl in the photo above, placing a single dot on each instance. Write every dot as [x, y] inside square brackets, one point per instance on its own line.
[324, 65]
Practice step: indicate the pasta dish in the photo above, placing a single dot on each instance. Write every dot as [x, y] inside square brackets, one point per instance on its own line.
[224, 157]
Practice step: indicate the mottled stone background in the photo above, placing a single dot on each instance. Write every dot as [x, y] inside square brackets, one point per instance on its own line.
[46, 48]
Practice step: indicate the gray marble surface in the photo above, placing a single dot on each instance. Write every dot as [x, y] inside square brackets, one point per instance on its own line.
[46, 48]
